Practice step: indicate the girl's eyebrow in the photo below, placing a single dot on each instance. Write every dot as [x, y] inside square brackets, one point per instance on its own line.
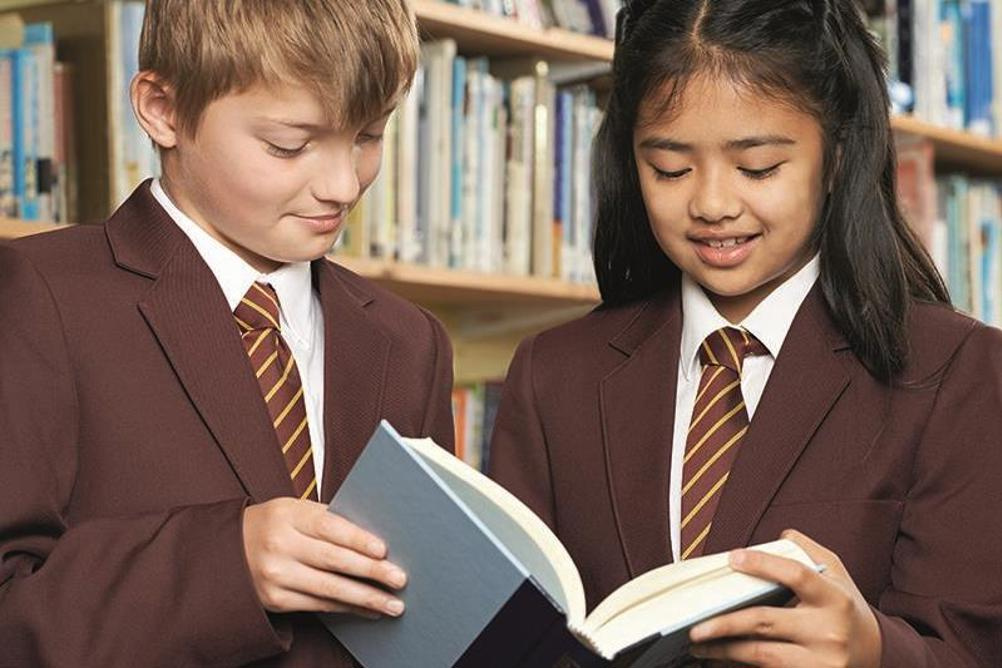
[669, 144]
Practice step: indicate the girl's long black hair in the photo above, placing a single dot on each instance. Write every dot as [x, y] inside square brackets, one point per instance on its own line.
[818, 55]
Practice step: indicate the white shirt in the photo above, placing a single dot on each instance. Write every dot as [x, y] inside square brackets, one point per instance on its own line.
[300, 316]
[769, 323]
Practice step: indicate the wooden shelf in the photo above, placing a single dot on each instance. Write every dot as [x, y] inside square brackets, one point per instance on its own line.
[11, 228]
[445, 287]
[477, 32]
[954, 148]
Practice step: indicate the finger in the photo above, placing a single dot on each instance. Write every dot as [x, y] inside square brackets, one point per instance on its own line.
[294, 601]
[324, 556]
[337, 530]
[763, 623]
[805, 582]
[765, 653]
[341, 589]
[818, 553]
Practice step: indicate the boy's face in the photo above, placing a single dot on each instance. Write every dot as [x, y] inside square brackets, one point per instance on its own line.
[267, 176]
[733, 186]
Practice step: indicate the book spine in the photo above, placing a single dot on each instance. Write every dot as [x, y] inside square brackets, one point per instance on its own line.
[7, 102]
[514, 633]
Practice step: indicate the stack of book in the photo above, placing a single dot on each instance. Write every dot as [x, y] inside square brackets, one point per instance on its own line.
[591, 17]
[37, 158]
[946, 55]
[959, 220]
[487, 167]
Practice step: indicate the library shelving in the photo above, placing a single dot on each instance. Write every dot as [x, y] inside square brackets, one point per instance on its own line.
[486, 314]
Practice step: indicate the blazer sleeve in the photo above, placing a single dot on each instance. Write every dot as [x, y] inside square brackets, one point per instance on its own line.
[519, 459]
[168, 588]
[945, 604]
[438, 421]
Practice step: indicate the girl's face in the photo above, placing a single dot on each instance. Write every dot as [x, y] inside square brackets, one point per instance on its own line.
[733, 185]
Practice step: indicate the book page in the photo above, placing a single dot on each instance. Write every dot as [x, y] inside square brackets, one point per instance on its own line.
[676, 595]
[518, 528]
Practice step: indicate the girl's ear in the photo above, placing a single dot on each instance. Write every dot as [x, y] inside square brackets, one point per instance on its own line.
[154, 105]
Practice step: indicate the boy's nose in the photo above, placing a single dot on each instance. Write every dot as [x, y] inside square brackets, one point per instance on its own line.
[337, 181]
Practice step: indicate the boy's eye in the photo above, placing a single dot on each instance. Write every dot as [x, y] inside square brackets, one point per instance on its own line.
[759, 174]
[284, 152]
[663, 175]
[369, 137]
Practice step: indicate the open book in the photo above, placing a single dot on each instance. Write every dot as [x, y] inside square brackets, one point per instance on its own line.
[491, 585]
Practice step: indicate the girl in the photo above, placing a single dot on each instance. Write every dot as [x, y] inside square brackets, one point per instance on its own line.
[774, 351]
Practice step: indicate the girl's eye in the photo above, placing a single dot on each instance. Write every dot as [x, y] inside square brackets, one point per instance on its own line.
[663, 175]
[759, 174]
[282, 152]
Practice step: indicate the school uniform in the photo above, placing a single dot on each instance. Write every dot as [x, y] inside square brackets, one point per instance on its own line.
[903, 482]
[133, 432]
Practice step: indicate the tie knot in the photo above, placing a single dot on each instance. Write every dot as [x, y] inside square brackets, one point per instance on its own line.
[728, 347]
[258, 309]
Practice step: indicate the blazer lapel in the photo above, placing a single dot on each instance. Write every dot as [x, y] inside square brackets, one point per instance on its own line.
[638, 409]
[806, 381]
[356, 360]
[189, 316]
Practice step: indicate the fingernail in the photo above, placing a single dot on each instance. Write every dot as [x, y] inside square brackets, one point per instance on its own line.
[377, 548]
[738, 557]
[395, 607]
[397, 577]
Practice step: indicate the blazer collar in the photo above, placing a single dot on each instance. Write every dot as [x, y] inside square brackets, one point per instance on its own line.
[356, 361]
[188, 314]
[637, 401]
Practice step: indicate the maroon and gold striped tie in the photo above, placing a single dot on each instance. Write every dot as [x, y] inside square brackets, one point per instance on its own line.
[719, 422]
[275, 368]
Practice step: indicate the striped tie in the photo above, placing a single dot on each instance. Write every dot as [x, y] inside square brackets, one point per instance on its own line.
[275, 368]
[719, 422]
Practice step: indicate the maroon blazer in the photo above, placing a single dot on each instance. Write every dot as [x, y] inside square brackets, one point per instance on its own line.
[903, 483]
[133, 433]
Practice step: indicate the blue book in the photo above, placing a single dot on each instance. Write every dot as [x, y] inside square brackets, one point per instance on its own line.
[25, 123]
[978, 110]
[8, 100]
[456, 161]
[956, 72]
[490, 584]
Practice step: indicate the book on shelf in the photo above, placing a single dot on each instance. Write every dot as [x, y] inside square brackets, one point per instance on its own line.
[948, 53]
[474, 407]
[37, 152]
[515, 597]
[590, 17]
[471, 154]
[133, 156]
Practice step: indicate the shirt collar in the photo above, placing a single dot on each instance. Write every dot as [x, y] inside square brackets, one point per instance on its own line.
[292, 281]
[769, 322]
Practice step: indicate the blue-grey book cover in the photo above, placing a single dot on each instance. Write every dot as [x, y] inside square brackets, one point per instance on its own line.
[462, 579]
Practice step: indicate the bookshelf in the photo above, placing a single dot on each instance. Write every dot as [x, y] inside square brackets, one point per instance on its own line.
[487, 314]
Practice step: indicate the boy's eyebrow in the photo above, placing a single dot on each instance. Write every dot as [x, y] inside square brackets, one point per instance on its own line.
[669, 144]
[313, 127]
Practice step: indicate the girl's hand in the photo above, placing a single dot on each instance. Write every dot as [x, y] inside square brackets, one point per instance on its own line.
[831, 625]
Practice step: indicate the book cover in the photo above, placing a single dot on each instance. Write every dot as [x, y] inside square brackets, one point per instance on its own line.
[515, 598]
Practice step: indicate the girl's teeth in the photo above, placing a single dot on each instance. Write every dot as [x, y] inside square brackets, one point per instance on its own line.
[726, 243]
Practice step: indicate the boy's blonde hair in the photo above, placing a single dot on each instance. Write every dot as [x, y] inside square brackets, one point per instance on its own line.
[357, 56]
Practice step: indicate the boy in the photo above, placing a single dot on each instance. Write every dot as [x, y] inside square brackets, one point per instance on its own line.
[183, 389]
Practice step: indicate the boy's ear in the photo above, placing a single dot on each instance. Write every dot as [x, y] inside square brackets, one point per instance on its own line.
[153, 104]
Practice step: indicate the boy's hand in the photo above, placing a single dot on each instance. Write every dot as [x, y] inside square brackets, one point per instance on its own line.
[831, 624]
[303, 558]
